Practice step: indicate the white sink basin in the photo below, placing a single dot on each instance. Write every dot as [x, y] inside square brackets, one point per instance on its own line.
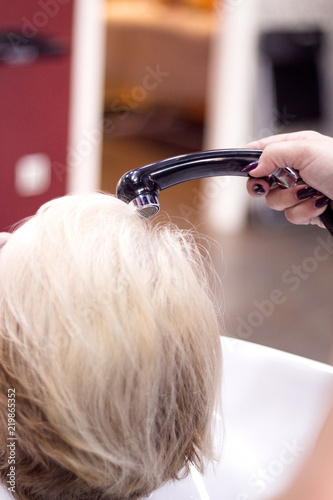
[273, 406]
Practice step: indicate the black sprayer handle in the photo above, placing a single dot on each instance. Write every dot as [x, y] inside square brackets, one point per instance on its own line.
[327, 219]
[146, 182]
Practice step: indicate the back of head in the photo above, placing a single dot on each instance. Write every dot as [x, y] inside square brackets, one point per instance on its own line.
[110, 341]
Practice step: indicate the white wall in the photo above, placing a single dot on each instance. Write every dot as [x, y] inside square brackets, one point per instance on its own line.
[87, 87]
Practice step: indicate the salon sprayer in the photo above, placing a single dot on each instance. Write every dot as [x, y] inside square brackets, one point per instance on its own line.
[143, 185]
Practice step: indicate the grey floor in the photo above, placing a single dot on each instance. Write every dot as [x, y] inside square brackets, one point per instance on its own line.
[277, 288]
[276, 279]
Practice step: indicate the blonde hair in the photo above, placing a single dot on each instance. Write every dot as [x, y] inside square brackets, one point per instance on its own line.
[110, 340]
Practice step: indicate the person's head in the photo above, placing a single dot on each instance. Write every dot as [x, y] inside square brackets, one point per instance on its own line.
[109, 338]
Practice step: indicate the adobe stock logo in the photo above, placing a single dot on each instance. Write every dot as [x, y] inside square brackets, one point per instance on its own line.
[130, 100]
[263, 477]
[92, 138]
[31, 26]
[291, 280]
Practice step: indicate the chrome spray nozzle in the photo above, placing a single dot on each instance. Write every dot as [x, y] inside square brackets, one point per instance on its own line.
[147, 205]
[285, 177]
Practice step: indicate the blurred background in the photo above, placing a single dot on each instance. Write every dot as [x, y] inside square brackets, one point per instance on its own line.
[91, 89]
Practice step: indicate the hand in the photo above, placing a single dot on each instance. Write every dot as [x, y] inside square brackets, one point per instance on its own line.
[311, 154]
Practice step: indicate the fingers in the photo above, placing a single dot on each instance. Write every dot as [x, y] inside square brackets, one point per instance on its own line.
[257, 187]
[307, 135]
[305, 213]
[277, 199]
[295, 154]
[313, 160]
[301, 204]
[309, 153]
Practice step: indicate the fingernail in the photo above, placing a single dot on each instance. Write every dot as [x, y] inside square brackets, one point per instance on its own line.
[250, 166]
[259, 189]
[321, 202]
[306, 192]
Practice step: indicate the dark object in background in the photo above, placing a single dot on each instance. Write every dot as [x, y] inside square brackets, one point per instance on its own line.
[295, 61]
[16, 50]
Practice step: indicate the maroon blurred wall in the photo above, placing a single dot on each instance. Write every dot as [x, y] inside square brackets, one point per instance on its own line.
[34, 98]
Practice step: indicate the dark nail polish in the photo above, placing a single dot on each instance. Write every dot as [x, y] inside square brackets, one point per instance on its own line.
[259, 189]
[306, 192]
[250, 166]
[321, 202]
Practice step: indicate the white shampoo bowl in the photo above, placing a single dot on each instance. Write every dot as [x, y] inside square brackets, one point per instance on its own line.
[273, 406]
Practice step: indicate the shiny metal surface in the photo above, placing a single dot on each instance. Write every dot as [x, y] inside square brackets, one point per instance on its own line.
[147, 205]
